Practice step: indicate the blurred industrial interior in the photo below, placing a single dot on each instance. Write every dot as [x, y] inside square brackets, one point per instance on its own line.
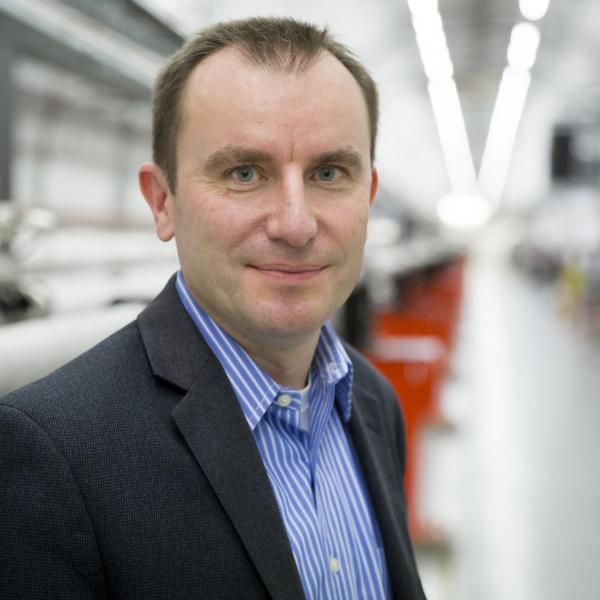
[480, 294]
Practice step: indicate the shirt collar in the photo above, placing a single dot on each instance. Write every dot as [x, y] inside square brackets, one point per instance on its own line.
[255, 389]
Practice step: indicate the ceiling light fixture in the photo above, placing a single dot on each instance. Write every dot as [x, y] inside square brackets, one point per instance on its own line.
[502, 133]
[464, 211]
[464, 206]
[524, 43]
[534, 10]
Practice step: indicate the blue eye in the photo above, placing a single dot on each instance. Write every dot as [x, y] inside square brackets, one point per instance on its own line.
[327, 173]
[244, 174]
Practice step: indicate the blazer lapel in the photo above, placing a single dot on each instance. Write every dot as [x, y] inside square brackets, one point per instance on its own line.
[385, 494]
[213, 425]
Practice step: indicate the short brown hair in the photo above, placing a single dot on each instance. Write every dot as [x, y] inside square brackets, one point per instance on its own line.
[281, 43]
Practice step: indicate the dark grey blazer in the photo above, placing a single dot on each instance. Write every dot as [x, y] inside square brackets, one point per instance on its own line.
[131, 473]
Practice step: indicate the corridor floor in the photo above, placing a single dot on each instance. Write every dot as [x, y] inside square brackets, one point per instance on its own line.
[517, 484]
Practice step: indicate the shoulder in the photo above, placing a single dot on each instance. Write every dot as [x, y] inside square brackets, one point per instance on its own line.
[92, 414]
[375, 400]
[375, 395]
[106, 367]
[367, 378]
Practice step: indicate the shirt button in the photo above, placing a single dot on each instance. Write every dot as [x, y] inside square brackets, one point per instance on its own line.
[284, 400]
[334, 564]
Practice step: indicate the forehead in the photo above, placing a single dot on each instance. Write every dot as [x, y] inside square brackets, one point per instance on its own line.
[226, 90]
[217, 68]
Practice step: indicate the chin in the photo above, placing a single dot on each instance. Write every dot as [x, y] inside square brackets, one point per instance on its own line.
[291, 322]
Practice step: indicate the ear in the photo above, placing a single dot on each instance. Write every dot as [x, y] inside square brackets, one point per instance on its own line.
[374, 184]
[155, 189]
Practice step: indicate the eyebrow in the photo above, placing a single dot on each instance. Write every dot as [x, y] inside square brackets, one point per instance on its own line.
[234, 155]
[348, 157]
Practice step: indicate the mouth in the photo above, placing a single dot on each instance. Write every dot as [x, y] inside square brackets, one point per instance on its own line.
[290, 273]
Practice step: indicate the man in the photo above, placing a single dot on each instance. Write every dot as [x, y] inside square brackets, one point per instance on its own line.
[226, 444]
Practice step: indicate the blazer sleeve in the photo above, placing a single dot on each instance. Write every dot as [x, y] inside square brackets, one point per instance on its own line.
[47, 543]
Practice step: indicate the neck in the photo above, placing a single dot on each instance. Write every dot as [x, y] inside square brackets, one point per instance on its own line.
[290, 366]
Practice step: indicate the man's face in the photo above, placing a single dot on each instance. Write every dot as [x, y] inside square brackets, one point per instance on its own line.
[274, 185]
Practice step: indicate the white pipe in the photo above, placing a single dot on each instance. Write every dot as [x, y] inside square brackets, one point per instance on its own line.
[33, 348]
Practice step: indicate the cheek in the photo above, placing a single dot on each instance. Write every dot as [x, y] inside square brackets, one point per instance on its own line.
[204, 224]
[353, 230]
[220, 236]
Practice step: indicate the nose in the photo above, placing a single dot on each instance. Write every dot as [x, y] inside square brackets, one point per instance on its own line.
[291, 219]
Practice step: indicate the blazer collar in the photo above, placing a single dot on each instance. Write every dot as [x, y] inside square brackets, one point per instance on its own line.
[366, 430]
[176, 351]
[213, 425]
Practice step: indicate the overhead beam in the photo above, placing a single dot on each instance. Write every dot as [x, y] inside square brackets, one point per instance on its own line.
[58, 33]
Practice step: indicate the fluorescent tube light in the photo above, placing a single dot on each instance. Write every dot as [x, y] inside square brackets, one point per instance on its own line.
[534, 10]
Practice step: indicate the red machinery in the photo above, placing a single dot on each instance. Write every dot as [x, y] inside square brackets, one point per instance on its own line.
[411, 344]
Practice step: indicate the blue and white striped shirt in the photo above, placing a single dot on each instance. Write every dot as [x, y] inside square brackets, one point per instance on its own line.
[310, 463]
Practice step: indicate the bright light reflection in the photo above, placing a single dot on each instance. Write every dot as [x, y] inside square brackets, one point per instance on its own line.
[428, 26]
[464, 211]
[534, 9]
[522, 50]
[433, 48]
[438, 67]
[419, 7]
[503, 131]
[453, 136]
